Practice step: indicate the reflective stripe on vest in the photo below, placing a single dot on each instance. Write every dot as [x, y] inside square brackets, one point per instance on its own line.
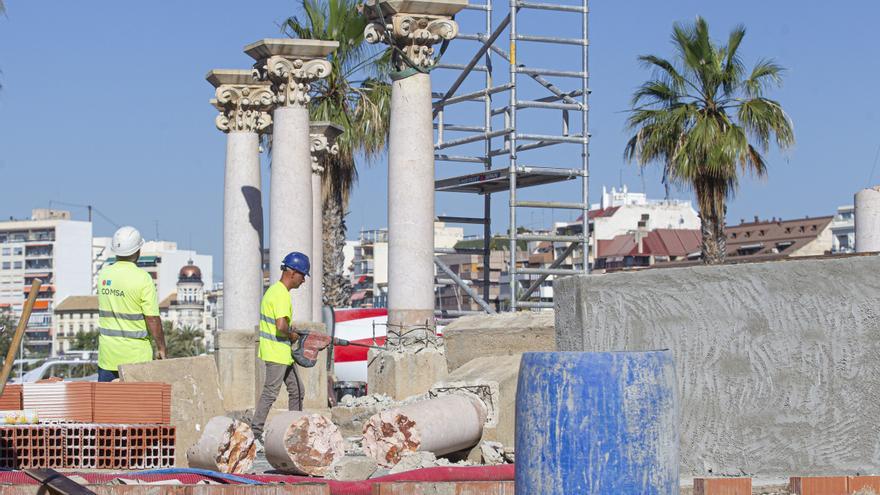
[273, 338]
[121, 316]
[267, 335]
[129, 334]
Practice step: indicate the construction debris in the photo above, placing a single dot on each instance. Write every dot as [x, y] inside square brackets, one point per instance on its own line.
[227, 446]
[352, 468]
[302, 443]
[443, 425]
[351, 413]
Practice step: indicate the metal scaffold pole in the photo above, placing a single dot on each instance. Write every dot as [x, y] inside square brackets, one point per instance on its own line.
[546, 168]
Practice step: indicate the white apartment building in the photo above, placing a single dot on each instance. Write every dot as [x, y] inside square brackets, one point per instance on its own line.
[843, 230]
[54, 248]
[620, 211]
[161, 259]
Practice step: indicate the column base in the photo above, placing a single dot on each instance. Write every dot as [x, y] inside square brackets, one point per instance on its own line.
[236, 354]
[411, 321]
[401, 373]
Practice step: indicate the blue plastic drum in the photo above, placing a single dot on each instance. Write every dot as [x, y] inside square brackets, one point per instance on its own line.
[597, 423]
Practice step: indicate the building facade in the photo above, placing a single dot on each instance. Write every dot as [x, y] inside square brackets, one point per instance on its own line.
[843, 230]
[369, 263]
[57, 250]
[369, 270]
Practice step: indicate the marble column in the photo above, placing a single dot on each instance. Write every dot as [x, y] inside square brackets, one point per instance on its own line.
[323, 136]
[291, 66]
[411, 153]
[244, 105]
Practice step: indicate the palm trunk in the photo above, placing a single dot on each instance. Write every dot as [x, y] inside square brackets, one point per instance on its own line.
[337, 288]
[712, 223]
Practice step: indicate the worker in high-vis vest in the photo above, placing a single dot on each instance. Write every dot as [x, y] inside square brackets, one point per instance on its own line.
[128, 309]
[277, 339]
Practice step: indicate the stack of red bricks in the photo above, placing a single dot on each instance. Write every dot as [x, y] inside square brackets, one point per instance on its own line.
[797, 485]
[92, 426]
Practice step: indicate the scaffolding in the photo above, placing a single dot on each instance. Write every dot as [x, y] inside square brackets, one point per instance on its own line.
[537, 167]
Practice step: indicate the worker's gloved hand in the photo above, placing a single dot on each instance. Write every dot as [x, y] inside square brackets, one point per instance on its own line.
[306, 348]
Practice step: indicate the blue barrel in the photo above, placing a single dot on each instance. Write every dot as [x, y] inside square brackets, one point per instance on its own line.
[597, 423]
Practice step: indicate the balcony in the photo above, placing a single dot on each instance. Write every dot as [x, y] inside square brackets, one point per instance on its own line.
[38, 264]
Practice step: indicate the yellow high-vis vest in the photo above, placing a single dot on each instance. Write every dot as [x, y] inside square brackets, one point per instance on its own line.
[275, 345]
[126, 294]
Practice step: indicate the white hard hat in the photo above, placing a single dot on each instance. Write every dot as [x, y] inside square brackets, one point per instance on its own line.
[126, 241]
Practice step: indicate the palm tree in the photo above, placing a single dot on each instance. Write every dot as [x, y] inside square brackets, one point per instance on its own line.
[706, 121]
[354, 96]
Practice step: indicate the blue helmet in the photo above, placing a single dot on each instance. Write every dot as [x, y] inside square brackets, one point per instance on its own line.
[296, 261]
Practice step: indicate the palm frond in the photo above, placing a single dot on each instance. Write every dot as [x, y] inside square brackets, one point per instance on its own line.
[705, 123]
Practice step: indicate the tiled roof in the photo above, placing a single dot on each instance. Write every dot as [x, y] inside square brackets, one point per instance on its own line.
[761, 238]
[602, 212]
[78, 303]
[658, 242]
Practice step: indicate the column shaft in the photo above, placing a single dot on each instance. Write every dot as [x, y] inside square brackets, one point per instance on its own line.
[317, 248]
[290, 199]
[411, 203]
[242, 232]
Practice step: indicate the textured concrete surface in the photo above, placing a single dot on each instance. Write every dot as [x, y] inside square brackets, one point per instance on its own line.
[411, 203]
[236, 354]
[242, 232]
[290, 199]
[777, 362]
[493, 380]
[400, 374]
[502, 334]
[195, 394]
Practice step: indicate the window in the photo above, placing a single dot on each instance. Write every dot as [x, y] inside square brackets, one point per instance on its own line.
[16, 265]
[17, 251]
[7, 265]
[6, 251]
[80, 327]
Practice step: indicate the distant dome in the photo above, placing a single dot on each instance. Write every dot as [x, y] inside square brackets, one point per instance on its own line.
[190, 273]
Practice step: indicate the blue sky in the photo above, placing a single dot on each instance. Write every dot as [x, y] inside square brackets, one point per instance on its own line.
[105, 103]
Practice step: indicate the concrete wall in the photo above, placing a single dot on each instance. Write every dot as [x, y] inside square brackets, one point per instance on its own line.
[777, 363]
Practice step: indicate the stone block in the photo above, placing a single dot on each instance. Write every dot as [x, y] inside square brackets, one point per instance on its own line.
[764, 352]
[403, 373]
[352, 468]
[195, 394]
[502, 334]
[493, 380]
[236, 355]
[350, 420]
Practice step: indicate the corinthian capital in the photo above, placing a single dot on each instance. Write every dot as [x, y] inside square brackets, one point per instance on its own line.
[413, 27]
[415, 35]
[292, 78]
[323, 141]
[243, 103]
[291, 66]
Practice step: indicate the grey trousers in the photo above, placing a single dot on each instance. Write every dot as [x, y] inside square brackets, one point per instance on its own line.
[275, 374]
